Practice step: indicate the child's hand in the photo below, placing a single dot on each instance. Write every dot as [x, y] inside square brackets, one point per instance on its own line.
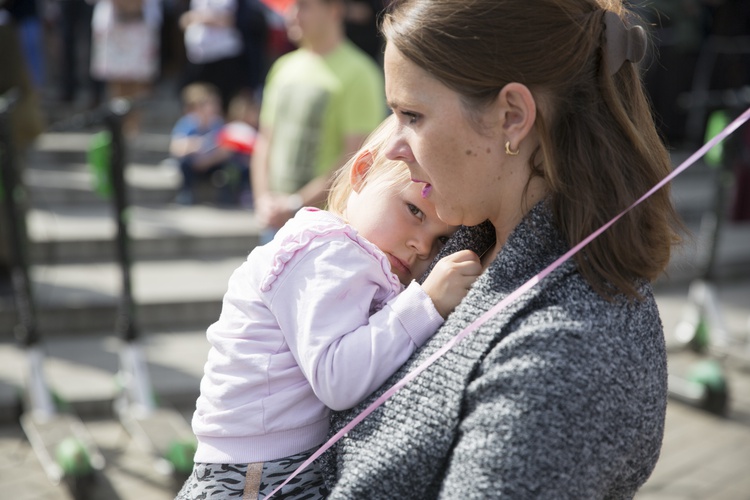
[450, 279]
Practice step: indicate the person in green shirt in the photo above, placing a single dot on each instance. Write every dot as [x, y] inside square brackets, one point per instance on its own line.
[320, 101]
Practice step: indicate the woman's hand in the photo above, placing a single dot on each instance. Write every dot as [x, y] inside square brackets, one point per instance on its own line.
[450, 280]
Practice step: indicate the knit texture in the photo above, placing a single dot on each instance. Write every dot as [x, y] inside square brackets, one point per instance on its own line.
[560, 395]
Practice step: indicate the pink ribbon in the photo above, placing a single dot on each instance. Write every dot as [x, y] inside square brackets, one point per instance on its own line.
[511, 298]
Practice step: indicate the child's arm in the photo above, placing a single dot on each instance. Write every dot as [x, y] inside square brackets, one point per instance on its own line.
[322, 302]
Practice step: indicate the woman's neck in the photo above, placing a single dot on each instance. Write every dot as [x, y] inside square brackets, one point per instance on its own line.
[505, 225]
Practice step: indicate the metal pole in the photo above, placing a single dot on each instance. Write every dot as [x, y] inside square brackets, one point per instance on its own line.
[14, 196]
[126, 320]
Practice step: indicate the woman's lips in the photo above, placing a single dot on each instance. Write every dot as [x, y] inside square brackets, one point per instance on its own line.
[426, 189]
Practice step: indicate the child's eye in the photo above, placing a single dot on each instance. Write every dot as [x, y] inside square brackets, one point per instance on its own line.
[414, 210]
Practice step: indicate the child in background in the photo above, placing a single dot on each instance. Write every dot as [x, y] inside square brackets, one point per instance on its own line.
[238, 135]
[319, 318]
[194, 138]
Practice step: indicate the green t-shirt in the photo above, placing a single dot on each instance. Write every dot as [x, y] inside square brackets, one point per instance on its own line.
[312, 102]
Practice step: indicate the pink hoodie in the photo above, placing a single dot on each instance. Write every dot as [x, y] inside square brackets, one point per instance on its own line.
[313, 320]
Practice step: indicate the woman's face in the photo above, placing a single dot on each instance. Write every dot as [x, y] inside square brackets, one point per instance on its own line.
[462, 164]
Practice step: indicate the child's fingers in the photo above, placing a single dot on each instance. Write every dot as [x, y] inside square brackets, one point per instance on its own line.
[462, 256]
[465, 262]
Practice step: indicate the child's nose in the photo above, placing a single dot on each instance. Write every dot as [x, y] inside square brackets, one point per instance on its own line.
[422, 244]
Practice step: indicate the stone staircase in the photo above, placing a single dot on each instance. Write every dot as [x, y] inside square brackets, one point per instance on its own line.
[182, 256]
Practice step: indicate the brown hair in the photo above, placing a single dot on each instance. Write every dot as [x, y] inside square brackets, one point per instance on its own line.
[244, 107]
[599, 149]
[196, 93]
[382, 169]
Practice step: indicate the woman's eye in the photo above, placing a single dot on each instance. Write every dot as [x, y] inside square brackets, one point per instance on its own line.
[411, 118]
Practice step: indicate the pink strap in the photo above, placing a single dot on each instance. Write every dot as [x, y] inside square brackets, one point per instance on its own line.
[512, 297]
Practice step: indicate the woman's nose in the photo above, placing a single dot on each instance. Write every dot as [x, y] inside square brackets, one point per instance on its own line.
[397, 149]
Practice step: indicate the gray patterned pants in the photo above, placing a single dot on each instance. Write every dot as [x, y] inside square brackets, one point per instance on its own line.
[255, 481]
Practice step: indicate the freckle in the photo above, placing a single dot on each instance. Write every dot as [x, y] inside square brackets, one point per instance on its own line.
[489, 150]
[468, 152]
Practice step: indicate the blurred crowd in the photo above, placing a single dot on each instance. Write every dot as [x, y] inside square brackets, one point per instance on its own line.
[74, 43]
[67, 56]
[218, 55]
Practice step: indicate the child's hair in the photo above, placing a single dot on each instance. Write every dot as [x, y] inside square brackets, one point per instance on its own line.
[599, 150]
[198, 93]
[382, 169]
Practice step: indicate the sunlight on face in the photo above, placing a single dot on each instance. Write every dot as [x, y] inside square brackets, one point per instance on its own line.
[398, 220]
[456, 164]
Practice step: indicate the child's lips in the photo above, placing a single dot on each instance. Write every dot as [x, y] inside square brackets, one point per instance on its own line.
[399, 264]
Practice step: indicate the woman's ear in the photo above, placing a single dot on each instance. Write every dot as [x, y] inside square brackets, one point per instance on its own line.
[518, 112]
[362, 163]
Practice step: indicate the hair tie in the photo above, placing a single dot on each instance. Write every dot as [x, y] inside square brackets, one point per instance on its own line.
[622, 43]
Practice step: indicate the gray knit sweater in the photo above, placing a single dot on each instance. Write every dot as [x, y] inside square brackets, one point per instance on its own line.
[560, 395]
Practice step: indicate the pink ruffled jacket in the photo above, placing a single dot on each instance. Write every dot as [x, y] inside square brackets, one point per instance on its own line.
[311, 321]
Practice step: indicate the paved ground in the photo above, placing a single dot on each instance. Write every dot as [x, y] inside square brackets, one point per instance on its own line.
[705, 456]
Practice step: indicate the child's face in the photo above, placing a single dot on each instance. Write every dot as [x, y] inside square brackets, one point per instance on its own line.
[208, 109]
[401, 223]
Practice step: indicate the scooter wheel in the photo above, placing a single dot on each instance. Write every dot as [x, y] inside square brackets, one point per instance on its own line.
[180, 454]
[710, 375]
[701, 337]
[73, 457]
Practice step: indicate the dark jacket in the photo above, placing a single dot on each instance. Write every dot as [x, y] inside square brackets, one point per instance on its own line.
[560, 395]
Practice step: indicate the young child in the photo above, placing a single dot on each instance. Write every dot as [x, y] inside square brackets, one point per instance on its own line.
[319, 318]
[238, 136]
[194, 140]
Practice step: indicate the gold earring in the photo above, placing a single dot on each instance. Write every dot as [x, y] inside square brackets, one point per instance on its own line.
[508, 150]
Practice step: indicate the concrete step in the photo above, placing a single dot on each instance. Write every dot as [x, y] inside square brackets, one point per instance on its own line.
[74, 299]
[77, 298]
[82, 370]
[58, 171]
[158, 112]
[85, 233]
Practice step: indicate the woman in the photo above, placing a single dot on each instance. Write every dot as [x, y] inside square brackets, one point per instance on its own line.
[529, 115]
